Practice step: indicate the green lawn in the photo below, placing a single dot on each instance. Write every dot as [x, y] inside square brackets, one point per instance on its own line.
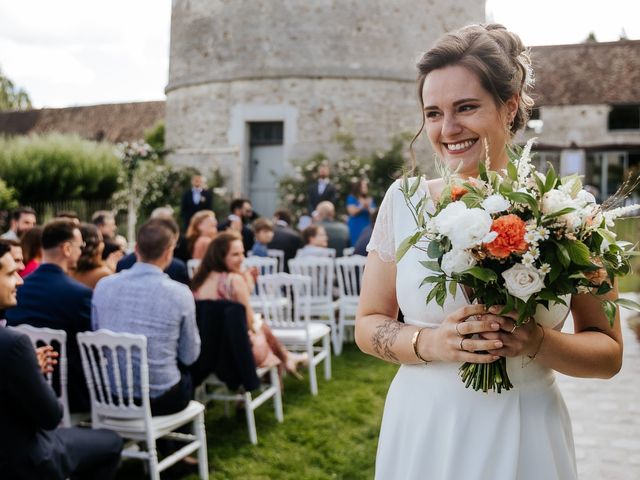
[333, 435]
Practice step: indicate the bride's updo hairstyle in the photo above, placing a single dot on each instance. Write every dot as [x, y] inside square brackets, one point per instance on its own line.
[497, 56]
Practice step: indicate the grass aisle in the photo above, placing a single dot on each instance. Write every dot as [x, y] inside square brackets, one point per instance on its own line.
[333, 435]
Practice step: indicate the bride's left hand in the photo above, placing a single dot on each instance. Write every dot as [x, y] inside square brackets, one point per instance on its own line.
[518, 341]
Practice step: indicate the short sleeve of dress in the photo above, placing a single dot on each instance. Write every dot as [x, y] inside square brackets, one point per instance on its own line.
[382, 239]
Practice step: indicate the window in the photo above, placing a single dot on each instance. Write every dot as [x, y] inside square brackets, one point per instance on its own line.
[265, 133]
[535, 123]
[624, 117]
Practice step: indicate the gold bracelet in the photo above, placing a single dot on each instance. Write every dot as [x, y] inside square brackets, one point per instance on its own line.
[531, 357]
[414, 343]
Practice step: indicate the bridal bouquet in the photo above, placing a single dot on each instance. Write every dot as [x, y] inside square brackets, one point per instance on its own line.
[518, 238]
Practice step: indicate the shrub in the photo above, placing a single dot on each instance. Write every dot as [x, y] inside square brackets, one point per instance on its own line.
[58, 167]
[380, 168]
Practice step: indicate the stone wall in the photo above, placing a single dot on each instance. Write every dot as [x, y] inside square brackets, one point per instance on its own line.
[328, 66]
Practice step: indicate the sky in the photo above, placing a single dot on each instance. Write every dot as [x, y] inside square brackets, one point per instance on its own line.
[84, 52]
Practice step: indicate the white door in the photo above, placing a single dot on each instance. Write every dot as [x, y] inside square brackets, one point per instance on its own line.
[266, 165]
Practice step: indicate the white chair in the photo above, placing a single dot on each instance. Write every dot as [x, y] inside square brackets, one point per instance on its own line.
[349, 272]
[290, 320]
[278, 255]
[58, 340]
[323, 307]
[347, 252]
[265, 266]
[213, 389]
[113, 363]
[192, 266]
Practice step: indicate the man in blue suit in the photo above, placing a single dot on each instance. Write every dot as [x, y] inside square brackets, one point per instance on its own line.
[51, 298]
[30, 444]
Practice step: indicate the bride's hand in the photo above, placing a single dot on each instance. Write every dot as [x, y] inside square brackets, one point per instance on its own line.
[517, 341]
[452, 342]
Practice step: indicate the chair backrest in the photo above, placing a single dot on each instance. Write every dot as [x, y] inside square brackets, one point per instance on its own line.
[286, 300]
[347, 252]
[349, 271]
[320, 269]
[278, 255]
[192, 266]
[58, 340]
[265, 266]
[114, 365]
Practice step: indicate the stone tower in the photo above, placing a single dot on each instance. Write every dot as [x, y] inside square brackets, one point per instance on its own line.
[254, 84]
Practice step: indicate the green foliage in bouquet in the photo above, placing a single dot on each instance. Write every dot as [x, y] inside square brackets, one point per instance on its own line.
[58, 167]
[380, 168]
[529, 239]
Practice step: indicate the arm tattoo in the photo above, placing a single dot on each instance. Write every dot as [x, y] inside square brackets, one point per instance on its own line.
[384, 338]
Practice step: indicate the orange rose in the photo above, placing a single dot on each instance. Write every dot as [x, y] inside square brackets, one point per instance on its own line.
[510, 239]
[597, 277]
[457, 192]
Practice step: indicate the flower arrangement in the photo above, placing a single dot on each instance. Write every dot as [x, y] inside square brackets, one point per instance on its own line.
[529, 239]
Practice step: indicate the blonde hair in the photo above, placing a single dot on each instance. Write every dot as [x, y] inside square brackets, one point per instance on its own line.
[193, 231]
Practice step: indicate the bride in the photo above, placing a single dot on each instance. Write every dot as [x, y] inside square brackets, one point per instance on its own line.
[474, 89]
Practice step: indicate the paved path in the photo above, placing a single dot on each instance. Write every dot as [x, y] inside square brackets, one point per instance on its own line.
[606, 416]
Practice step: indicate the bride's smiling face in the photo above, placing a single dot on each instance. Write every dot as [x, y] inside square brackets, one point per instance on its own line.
[460, 114]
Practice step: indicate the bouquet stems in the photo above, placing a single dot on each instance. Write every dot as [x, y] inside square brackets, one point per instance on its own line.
[486, 376]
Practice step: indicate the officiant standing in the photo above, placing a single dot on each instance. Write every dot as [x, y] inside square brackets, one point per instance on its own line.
[197, 198]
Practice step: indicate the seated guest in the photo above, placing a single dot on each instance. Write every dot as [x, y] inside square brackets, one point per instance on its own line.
[30, 445]
[241, 214]
[315, 240]
[263, 231]
[91, 267]
[177, 269]
[220, 277]
[51, 298]
[16, 253]
[31, 244]
[285, 238]
[144, 300]
[22, 220]
[203, 228]
[15, 250]
[69, 215]
[337, 232]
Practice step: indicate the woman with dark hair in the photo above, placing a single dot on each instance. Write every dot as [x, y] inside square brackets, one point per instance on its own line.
[360, 206]
[31, 243]
[91, 268]
[203, 227]
[316, 242]
[221, 277]
[473, 88]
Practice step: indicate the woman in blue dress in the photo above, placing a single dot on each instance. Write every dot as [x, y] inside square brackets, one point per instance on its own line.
[360, 206]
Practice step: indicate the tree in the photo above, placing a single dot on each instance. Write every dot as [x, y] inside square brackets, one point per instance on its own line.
[12, 98]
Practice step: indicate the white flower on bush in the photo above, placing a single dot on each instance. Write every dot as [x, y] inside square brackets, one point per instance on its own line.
[523, 281]
[495, 203]
[465, 227]
[457, 261]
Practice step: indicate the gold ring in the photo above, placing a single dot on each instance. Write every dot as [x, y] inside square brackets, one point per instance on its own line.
[462, 340]
[458, 331]
[514, 328]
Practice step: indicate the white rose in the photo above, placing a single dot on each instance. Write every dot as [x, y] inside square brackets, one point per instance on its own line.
[465, 227]
[456, 261]
[495, 203]
[556, 200]
[522, 281]
[585, 197]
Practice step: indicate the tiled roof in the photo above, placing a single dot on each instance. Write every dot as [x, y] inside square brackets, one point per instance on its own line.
[111, 122]
[587, 73]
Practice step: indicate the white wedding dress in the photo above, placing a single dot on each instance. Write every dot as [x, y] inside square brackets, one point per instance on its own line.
[436, 429]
